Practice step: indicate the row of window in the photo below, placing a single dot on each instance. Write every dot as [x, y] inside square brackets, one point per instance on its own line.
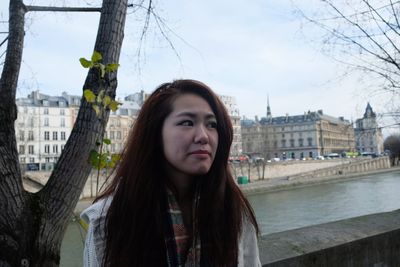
[31, 136]
[46, 111]
[55, 135]
[292, 142]
[113, 135]
[32, 159]
[46, 123]
[292, 155]
[31, 149]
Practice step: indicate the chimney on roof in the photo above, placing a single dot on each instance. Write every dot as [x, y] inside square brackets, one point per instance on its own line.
[320, 112]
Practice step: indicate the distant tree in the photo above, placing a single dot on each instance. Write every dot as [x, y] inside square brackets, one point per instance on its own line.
[32, 225]
[364, 35]
[392, 143]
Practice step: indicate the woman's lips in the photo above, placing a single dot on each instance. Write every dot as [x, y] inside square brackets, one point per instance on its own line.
[200, 152]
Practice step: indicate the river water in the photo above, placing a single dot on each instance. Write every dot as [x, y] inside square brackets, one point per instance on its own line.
[297, 207]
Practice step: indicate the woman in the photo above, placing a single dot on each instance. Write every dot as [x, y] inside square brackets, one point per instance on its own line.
[173, 201]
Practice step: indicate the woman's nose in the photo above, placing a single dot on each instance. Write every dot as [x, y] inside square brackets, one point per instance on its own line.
[201, 135]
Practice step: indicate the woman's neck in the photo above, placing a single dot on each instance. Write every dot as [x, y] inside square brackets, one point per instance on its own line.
[183, 189]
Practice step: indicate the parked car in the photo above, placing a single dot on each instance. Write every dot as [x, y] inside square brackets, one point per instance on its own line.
[333, 155]
[369, 154]
[255, 157]
[243, 158]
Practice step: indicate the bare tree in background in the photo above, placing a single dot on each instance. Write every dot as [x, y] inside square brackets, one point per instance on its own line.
[392, 143]
[364, 35]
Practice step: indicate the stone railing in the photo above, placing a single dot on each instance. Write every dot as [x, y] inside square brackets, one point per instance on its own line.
[371, 240]
[309, 168]
[346, 169]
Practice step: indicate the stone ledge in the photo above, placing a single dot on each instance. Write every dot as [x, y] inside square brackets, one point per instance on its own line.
[371, 240]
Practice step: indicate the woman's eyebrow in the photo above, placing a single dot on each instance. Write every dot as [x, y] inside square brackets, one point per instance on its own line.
[193, 115]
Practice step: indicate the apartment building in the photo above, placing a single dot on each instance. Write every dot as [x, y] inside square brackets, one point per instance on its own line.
[295, 137]
[44, 124]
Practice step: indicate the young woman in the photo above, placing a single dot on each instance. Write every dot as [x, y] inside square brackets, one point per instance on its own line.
[173, 201]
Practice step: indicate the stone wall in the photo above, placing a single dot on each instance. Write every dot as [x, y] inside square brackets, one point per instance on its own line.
[309, 168]
[347, 168]
[371, 240]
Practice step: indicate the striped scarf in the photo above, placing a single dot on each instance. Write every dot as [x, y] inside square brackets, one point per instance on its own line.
[182, 251]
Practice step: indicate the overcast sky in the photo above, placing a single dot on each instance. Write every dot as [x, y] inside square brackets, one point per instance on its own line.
[246, 49]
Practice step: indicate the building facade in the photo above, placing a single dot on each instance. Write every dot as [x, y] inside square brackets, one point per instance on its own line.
[44, 124]
[296, 137]
[368, 135]
[233, 112]
[120, 123]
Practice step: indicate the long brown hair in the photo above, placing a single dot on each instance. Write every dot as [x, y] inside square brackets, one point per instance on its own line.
[133, 225]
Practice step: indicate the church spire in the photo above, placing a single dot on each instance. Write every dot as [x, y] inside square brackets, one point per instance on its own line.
[369, 112]
[269, 116]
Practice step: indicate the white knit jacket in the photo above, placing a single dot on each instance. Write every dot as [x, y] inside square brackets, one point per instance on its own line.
[94, 215]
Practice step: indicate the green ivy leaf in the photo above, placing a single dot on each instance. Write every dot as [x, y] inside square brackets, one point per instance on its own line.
[102, 70]
[94, 157]
[112, 67]
[106, 141]
[100, 96]
[97, 109]
[89, 95]
[85, 63]
[106, 101]
[114, 105]
[96, 56]
[115, 157]
[103, 160]
[113, 161]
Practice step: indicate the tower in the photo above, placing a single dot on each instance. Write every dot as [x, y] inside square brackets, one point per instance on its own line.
[269, 115]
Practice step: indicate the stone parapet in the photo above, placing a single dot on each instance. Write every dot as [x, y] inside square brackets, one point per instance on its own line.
[371, 240]
[346, 171]
[346, 168]
[307, 168]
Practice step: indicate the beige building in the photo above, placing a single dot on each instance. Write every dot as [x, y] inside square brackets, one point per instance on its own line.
[233, 111]
[120, 123]
[301, 136]
[44, 124]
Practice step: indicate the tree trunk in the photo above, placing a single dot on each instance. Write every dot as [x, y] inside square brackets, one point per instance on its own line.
[32, 225]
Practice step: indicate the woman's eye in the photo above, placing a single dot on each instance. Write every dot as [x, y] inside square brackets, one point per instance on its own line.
[212, 124]
[186, 123]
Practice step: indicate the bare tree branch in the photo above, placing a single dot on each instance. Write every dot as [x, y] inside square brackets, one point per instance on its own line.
[63, 9]
[364, 35]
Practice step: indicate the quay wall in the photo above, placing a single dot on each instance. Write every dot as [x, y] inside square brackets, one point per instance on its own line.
[371, 240]
[346, 170]
[276, 175]
[314, 168]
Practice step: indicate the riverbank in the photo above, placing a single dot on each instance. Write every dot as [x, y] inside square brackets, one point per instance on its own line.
[275, 184]
[284, 183]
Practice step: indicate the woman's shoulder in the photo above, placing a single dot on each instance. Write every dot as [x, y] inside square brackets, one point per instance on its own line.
[97, 210]
[248, 254]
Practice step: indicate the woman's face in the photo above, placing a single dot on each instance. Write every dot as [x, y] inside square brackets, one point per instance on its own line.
[189, 137]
